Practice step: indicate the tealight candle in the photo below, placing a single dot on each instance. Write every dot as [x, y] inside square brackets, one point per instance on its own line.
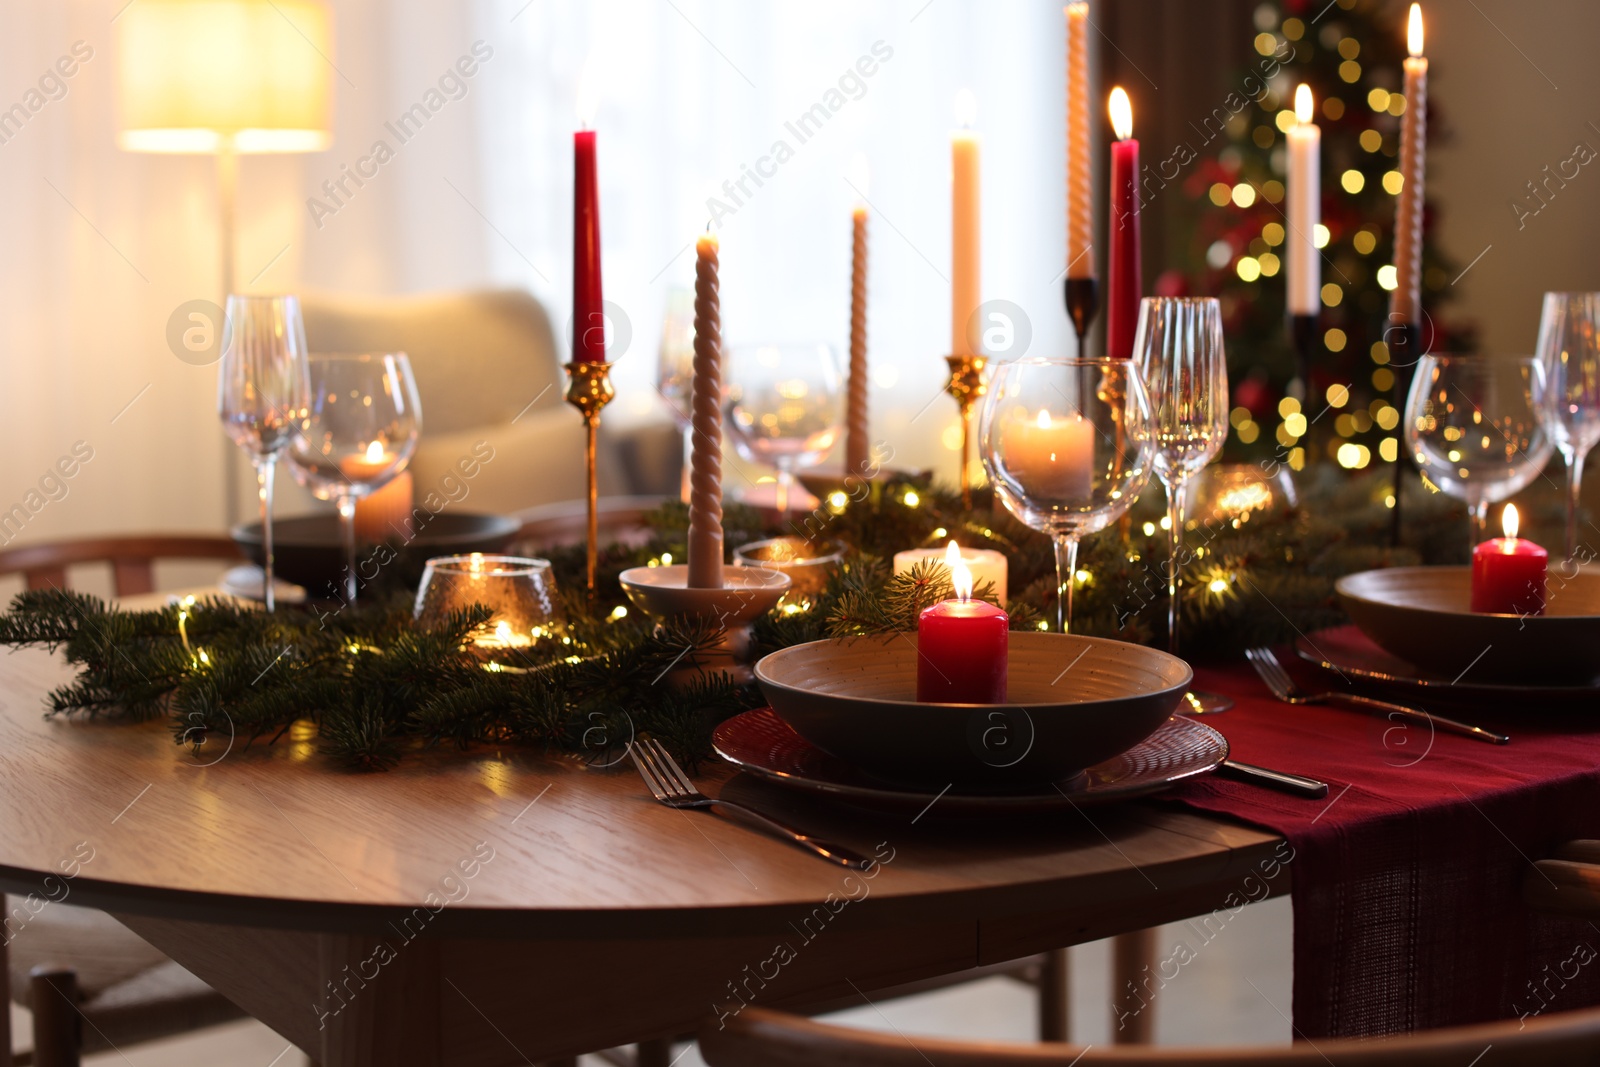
[961, 645]
[985, 564]
[1508, 572]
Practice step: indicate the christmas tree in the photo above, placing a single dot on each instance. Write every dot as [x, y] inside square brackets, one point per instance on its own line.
[1349, 52]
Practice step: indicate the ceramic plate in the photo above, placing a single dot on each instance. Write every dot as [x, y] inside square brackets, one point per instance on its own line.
[1352, 654]
[764, 745]
[1421, 615]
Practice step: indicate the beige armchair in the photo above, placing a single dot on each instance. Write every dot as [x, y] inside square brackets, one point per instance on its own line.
[489, 369]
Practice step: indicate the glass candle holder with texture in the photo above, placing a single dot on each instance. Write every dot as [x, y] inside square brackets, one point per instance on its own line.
[520, 591]
[808, 563]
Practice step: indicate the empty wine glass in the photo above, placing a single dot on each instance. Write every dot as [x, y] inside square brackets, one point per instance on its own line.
[262, 392]
[1473, 427]
[675, 368]
[784, 406]
[1066, 444]
[1568, 386]
[359, 431]
[1180, 352]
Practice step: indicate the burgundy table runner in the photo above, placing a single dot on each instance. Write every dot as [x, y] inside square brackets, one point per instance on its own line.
[1407, 876]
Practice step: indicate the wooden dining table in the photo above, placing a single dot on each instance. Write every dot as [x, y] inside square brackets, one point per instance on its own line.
[504, 906]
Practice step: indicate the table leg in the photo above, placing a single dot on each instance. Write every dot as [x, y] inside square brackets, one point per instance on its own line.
[57, 1022]
[1133, 1009]
[1055, 997]
[380, 1002]
[656, 1052]
[5, 997]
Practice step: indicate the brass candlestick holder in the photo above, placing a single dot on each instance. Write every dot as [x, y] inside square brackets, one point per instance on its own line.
[967, 386]
[589, 389]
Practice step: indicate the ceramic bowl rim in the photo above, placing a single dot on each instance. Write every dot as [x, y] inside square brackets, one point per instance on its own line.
[1183, 685]
[1342, 587]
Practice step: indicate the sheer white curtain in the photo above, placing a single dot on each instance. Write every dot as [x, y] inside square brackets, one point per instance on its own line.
[99, 246]
[696, 93]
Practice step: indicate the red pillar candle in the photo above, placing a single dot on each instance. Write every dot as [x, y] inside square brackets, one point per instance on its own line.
[1124, 286]
[961, 645]
[1508, 572]
[588, 307]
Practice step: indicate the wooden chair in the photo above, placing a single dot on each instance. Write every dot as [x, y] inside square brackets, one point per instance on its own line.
[757, 1037]
[132, 559]
[1567, 883]
[91, 982]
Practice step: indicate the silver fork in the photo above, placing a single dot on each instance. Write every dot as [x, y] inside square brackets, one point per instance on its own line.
[1284, 688]
[669, 785]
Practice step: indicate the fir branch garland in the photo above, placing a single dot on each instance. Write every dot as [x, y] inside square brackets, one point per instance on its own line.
[373, 685]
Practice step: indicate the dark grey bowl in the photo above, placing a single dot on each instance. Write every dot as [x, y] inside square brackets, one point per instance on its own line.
[308, 552]
[1423, 615]
[1075, 702]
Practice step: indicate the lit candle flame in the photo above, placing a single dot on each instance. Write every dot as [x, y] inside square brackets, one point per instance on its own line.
[1302, 104]
[960, 576]
[1043, 421]
[375, 452]
[1121, 113]
[1509, 522]
[966, 109]
[502, 631]
[1414, 31]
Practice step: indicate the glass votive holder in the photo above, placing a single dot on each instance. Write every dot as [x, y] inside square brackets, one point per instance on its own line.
[1230, 493]
[520, 591]
[809, 564]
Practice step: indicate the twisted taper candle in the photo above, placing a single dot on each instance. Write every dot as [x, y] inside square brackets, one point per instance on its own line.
[705, 462]
[857, 443]
[1406, 304]
[1080, 264]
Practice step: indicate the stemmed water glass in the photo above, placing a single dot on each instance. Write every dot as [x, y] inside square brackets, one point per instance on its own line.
[262, 392]
[1179, 347]
[1066, 444]
[359, 431]
[784, 406]
[1567, 377]
[1473, 426]
[675, 368]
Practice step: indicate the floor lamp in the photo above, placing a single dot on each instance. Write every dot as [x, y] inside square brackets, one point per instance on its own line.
[225, 78]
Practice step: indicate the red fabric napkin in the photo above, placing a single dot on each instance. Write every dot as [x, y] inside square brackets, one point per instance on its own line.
[1407, 876]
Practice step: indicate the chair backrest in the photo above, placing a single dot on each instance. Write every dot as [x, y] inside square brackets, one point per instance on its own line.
[480, 357]
[132, 559]
[756, 1037]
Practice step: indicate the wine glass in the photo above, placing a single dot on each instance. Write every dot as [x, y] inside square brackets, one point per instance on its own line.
[1567, 377]
[784, 406]
[262, 393]
[675, 368]
[359, 431]
[1066, 444]
[1473, 427]
[1180, 351]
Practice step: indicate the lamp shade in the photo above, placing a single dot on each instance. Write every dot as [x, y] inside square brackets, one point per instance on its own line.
[195, 74]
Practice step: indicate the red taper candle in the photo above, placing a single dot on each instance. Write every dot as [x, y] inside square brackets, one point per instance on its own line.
[588, 305]
[1123, 284]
